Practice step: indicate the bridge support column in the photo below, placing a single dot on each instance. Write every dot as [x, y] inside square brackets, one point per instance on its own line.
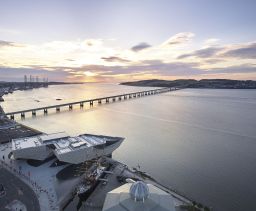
[91, 103]
[99, 101]
[81, 105]
[120, 98]
[45, 111]
[125, 97]
[12, 117]
[22, 115]
[70, 107]
[107, 100]
[33, 113]
[113, 99]
[58, 109]
[134, 95]
[130, 96]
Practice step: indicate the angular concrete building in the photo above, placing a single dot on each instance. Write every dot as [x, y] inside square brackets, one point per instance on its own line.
[67, 149]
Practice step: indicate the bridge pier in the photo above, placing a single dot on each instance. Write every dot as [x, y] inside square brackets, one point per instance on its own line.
[130, 96]
[57, 109]
[12, 117]
[99, 101]
[91, 103]
[120, 98]
[33, 113]
[134, 95]
[125, 97]
[70, 107]
[45, 111]
[107, 100]
[113, 99]
[81, 105]
[22, 115]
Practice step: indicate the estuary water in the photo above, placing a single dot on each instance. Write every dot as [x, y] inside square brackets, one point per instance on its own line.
[200, 142]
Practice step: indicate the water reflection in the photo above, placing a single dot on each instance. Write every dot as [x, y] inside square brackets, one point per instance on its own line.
[200, 142]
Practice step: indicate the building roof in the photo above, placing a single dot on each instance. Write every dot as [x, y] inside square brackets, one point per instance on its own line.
[139, 191]
[120, 199]
[35, 141]
[62, 142]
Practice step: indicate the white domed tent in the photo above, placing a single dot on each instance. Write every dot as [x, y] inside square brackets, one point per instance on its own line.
[138, 196]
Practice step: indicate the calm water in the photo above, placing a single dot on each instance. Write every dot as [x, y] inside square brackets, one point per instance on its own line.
[200, 142]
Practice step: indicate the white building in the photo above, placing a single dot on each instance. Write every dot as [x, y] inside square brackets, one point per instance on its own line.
[138, 196]
[67, 149]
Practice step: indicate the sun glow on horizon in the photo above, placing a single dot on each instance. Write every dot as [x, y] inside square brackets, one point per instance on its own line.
[90, 74]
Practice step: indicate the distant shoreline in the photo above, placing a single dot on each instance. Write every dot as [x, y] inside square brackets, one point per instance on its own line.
[199, 84]
[10, 87]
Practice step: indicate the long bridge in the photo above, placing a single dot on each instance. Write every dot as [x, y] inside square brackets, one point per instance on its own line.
[91, 102]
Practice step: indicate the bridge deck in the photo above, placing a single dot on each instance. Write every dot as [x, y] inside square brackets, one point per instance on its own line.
[155, 91]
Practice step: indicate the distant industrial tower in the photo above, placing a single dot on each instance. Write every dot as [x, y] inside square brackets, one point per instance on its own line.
[25, 81]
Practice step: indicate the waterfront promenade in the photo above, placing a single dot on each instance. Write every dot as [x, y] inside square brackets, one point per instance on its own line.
[17, 194]
[35, 180]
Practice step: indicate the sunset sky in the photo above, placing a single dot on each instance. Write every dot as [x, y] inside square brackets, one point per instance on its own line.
[126, 40]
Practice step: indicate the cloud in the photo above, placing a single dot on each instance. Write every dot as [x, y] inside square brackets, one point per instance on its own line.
[243, 51]
[77, 60]
[246, 51]
[202, 53]
[211, 42]
[140, 46]
[93, 42]
[160, 68]
[115, 59]
[17, 74]
[213, 61]
[6, 43]
[145, 67]
[247, 68]
[179, 38]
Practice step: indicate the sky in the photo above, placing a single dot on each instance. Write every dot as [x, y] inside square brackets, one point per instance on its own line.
[127, 40]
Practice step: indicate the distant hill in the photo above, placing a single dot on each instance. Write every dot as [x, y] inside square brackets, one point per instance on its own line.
[191, 83]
